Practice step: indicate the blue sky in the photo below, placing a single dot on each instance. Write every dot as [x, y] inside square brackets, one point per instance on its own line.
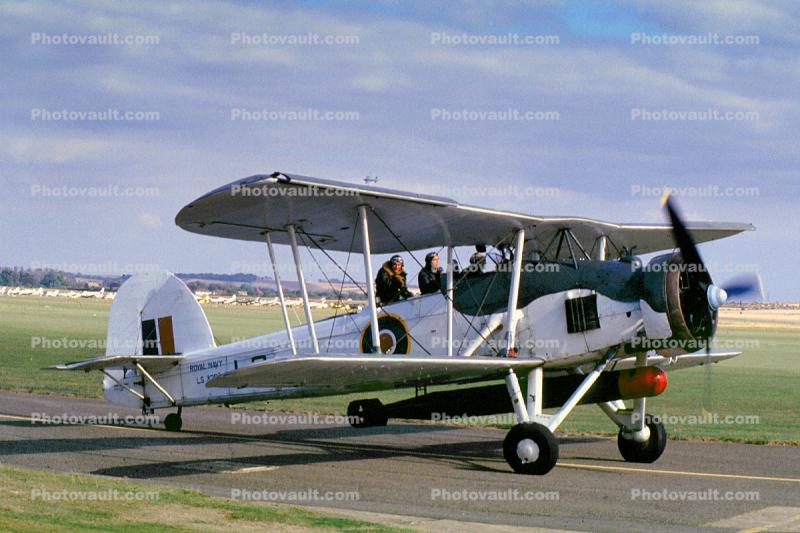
[596, 154]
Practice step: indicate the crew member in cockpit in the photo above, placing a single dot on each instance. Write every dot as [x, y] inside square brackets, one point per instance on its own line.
[430, 277]
[390, 284]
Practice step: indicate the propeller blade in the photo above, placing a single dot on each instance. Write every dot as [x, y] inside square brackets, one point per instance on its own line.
[683, 240]
[745, 284]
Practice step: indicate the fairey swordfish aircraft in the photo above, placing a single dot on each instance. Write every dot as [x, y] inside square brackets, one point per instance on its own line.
[568, 310]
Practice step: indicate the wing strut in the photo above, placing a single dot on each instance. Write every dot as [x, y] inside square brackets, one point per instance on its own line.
[513, 293]
[312, 330]
[155, 383]
[373, 308]
[601, 245]
[280, 294]
[450, 301]
[121, 384]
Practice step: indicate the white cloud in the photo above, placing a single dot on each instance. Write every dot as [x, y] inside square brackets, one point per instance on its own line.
[149, 220]
[54, 148]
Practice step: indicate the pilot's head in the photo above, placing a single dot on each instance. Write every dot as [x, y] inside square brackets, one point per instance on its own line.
[432, 261]
[396, 262]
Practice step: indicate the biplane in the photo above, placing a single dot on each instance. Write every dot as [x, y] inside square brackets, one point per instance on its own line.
[566, 311]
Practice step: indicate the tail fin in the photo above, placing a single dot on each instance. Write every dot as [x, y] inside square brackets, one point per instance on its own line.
[156, 314]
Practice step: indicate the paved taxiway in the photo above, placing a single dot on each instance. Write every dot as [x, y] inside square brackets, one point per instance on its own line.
[419, 470]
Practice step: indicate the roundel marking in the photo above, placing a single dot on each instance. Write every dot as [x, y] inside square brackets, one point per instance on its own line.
[392, 336]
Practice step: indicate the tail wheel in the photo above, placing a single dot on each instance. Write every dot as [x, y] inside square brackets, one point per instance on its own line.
[647, 451]
[367, 413]
[530, 449]
[173, 422]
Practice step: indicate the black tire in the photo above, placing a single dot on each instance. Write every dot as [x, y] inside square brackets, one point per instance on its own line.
[367, 413]
[644, 452]
[173, 422]
[544, 440]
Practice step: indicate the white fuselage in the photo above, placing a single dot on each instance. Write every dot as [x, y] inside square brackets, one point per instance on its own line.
[541, 333]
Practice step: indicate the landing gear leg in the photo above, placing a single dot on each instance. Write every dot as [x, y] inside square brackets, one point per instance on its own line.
[641, 439]
[530, 447]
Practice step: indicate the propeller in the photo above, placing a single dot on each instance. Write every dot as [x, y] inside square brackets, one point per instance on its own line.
[744, 285]
[703, 297]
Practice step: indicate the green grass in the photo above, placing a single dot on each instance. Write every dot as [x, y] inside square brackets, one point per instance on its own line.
[34, 331]
[27, 504]
[28, 323]
[762, 382]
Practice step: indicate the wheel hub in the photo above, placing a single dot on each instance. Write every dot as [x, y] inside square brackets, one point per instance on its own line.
[638, 436]
[527, 450]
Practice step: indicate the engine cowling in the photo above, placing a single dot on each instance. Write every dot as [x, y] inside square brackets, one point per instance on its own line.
[681, 300]
[687, 300]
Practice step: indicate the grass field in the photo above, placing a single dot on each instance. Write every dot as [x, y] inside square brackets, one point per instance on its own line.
[31, 500]
[763, 382]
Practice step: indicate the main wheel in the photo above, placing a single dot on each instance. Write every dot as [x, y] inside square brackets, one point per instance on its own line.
[173, 422]
[530, 449]
[647, 451]
[367, 413]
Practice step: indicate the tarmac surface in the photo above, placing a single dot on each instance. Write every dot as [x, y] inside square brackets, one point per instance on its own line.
[423, 476]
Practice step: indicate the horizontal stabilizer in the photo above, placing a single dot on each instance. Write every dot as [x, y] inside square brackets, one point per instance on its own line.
[364, 372]
[154, 363]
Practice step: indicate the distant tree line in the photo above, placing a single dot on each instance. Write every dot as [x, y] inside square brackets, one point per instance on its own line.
[219, 284]
[230, 278]
[51, 279]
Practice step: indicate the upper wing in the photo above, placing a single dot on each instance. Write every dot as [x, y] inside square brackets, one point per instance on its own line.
[327, 210]
[369, 372]
[153, 363]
